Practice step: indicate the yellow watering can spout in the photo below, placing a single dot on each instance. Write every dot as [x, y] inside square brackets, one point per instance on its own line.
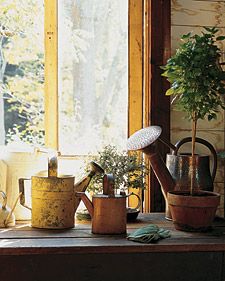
[82, 185]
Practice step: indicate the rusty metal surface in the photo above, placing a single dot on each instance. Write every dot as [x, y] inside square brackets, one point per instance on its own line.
[53, 202]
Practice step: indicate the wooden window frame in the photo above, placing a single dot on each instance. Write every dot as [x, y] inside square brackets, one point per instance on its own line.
[149, 47]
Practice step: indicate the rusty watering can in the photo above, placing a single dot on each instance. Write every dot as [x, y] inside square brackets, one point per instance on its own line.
[53, 196]
[7, 217]
[145, 140]
[108, 210]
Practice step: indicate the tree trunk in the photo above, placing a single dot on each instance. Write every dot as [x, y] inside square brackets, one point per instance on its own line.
[193, 162]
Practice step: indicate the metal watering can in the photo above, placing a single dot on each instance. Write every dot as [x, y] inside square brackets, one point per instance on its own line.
[53, 196]
[145, 140]
[7, 217]
[179, 166]
[108, 210]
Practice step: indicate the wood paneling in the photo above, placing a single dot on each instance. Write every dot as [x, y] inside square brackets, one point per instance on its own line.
[192, 16]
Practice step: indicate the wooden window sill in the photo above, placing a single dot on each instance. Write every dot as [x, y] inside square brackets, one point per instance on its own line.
[77, 254]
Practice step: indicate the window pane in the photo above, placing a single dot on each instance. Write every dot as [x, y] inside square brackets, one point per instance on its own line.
[93, 74]
[21, 71]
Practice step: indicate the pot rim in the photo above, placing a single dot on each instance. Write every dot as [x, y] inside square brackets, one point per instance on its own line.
[186, 193]
[183, 198]
[188, 155]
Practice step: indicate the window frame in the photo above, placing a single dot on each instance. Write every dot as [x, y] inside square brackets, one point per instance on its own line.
[149, 47]
[135, 110]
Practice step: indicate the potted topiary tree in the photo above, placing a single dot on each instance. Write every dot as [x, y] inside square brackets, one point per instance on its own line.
[197, 87]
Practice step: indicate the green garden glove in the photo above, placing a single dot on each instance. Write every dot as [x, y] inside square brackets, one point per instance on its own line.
[148, 234]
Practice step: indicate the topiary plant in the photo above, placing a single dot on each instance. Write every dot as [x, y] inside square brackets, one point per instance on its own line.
[128, 169]
[197, 78]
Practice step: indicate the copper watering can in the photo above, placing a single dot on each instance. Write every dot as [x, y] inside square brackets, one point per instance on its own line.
[145, 140]
[108, 210]
[53, 196]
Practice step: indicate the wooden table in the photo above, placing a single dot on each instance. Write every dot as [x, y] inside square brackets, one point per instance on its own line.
[77, 254]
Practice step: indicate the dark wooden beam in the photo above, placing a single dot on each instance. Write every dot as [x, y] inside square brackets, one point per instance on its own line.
[159, 51]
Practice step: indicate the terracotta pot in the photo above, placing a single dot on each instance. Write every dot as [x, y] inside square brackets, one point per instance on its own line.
[193, 213]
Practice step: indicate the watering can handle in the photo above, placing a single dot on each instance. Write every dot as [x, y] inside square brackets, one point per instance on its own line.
[52, 166]
[204, 142]
[138, 197]
[22, 194]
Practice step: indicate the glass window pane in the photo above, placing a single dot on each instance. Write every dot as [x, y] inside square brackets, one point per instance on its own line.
[21, 71]
[93, 74]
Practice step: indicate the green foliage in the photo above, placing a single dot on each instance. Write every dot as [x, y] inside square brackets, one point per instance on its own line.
[196, 77]
[22, 71]
[26, 135]
[128, 170]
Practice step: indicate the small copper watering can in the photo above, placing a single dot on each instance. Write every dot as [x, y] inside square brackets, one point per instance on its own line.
[108, 210]
[53, 196]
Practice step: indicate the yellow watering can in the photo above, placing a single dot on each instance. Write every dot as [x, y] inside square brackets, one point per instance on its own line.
[53, 197]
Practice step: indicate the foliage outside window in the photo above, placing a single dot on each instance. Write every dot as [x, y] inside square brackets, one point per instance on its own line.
[21, 71]
[92, 73]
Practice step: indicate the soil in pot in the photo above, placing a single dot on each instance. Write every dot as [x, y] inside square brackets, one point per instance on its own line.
[193, 212]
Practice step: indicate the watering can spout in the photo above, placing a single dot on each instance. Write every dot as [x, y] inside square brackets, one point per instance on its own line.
[143, 140]
[87, 202]
[82, 185]
[163, 175]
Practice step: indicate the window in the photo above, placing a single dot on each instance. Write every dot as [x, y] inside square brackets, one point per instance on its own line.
[92, 75]
[86, 74]
[49, 76]
[92, 50]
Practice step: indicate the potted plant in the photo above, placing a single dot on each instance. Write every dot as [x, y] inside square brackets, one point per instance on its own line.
[128, 169]
[197, 87]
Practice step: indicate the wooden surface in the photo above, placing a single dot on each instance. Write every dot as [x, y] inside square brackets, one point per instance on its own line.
[24, 239]
[76, 254]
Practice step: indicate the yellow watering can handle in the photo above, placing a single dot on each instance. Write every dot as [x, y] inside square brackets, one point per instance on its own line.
[22, 193]
[52, 167]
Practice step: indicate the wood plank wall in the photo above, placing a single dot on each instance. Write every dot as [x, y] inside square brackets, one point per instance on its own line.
[192, 15]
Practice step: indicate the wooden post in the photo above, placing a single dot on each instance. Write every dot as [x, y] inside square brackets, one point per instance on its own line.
[51, 74]
[159, 25]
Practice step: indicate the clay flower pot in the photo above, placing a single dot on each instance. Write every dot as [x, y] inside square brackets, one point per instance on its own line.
[193, 212]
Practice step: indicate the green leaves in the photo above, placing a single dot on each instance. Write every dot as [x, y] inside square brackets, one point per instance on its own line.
[129, 170]
[219, 38]
[169, 92]
[195, 75]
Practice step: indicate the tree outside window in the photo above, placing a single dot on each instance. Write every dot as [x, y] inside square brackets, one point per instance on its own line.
[92, 73]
